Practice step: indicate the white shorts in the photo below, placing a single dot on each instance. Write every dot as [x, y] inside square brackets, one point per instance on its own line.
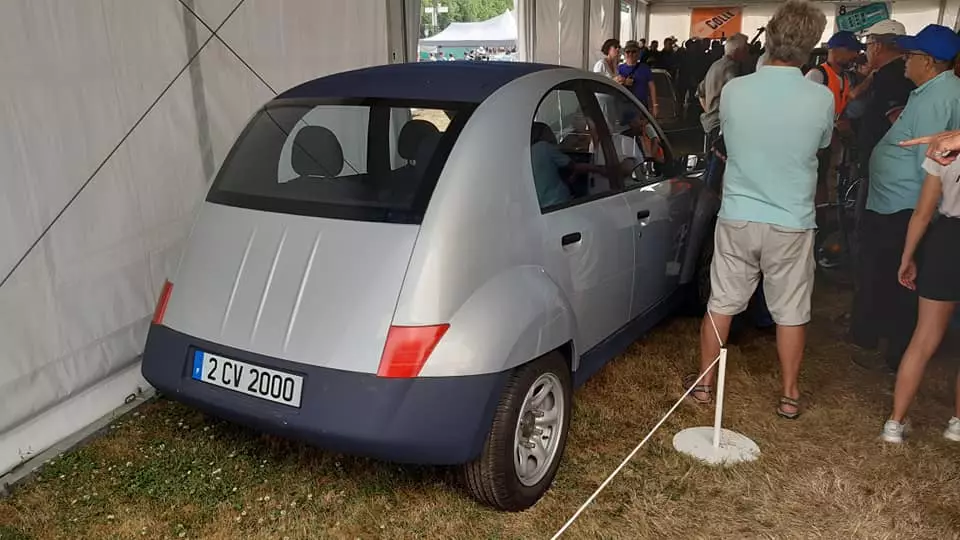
[744, 250]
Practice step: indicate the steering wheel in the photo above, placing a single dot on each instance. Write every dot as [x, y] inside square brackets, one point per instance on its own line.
[646, 169]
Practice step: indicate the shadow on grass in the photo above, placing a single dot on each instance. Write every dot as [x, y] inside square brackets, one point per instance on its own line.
[11, 533]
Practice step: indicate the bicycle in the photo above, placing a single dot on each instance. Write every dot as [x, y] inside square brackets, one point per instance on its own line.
[836, 243]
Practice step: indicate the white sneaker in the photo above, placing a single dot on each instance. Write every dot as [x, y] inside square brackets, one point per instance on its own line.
[894, 431]
[952, 433]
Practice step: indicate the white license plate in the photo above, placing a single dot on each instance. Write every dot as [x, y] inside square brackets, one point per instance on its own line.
[256, 381]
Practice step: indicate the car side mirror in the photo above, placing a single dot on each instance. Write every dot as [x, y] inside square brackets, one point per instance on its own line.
[692, 163]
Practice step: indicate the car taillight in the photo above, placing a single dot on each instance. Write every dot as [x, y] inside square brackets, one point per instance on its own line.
[162, 302]
[408, 348]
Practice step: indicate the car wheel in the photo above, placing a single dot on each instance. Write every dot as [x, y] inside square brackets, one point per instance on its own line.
[524, 446]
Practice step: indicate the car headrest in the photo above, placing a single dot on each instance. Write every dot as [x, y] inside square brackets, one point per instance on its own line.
[317, 152]
[411, 135]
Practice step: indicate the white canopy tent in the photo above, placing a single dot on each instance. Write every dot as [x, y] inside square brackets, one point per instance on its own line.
[109, 137]
[500, 31]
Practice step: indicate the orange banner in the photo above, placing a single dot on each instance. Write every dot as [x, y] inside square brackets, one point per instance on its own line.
[714, 23]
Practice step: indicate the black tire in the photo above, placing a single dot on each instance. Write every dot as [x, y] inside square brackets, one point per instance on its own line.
[492, 478]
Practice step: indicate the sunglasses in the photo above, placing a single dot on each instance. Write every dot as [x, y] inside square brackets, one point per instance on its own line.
[908, 54]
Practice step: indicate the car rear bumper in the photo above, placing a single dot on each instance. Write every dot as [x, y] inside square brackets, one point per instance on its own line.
[438, 420]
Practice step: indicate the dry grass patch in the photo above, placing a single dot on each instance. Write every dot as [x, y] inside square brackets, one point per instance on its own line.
[167, 471]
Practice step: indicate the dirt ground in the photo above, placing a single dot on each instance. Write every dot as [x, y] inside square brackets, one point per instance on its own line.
[166, 471]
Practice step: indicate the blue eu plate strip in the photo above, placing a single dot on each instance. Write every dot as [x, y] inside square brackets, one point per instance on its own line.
[197, 364]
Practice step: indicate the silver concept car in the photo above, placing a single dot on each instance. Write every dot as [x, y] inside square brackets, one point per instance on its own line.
[420, 262]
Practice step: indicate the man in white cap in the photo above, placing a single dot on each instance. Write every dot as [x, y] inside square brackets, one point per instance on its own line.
[884, 94]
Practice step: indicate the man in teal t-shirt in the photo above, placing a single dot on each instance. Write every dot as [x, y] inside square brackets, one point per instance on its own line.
[896, 176]
[773, 123]
[773, 130]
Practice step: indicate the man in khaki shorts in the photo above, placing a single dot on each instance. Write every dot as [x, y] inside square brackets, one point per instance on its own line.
[774, 122]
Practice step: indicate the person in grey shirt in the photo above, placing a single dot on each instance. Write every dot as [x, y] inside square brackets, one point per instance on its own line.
[719, 74]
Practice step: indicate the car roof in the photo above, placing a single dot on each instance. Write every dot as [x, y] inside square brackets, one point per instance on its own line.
[458, 81]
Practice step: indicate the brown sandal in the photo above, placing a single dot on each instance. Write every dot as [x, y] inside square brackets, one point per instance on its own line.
[790, 402]
[704, 389]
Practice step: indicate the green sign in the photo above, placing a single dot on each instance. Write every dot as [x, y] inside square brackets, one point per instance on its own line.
[863, 17]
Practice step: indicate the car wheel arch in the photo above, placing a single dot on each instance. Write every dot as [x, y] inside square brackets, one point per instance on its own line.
[494, 332]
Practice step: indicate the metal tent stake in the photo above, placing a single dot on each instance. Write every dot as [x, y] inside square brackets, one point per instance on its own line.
[715, 445]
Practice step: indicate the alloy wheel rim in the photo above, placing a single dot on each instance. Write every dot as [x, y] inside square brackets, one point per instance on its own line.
[538, 432]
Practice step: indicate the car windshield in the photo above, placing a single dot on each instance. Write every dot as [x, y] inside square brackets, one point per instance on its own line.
[370, 160]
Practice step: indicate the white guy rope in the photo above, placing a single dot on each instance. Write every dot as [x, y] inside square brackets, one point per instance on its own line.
[626, 460]
[715, 331]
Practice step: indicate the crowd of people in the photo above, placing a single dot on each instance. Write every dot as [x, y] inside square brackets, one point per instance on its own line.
[781, 133]
[481, 54]
[686, 63]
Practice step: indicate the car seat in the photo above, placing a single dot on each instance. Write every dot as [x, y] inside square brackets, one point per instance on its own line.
[416, 144]
[411, 137]
[316, 153]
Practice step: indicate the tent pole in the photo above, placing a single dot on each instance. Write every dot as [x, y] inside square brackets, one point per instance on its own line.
[585, 47]
[617, 15]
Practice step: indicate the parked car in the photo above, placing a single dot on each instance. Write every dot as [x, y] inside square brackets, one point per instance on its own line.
[423, 271]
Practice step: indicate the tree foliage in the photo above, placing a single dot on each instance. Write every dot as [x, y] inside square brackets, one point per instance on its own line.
[477, 10]
[464, 11]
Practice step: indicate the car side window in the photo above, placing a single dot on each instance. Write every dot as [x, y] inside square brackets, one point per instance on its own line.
[637, 140]
[565, 151]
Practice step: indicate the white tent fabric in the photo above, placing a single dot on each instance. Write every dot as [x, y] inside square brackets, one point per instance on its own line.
[570, 32]
[109, 136]
[604, 18]
[628, 25]
[500, 31]
[525, 13]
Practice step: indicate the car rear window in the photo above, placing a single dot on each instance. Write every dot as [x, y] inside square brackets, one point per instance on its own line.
[370, 160]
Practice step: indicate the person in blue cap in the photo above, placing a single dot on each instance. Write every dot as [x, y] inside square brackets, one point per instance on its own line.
[896, 176]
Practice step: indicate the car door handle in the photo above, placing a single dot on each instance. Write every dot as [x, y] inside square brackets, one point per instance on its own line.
[643, 214]
[571, 238]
